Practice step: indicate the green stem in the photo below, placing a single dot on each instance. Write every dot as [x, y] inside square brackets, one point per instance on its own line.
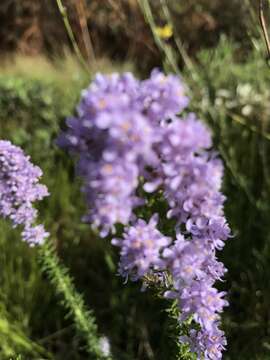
[84, 319]
[180, 47]
[70, 33]
[146, 9]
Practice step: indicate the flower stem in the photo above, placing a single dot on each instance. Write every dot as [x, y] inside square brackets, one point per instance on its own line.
[84, 319]
[63, 12]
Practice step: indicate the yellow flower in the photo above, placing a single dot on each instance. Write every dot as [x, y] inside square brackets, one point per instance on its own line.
[164, 32]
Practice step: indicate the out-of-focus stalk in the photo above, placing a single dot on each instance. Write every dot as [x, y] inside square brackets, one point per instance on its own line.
[83, 318]
[146, 9]
[264, 27]
[81, 10]
[70, 33]
[180, 47]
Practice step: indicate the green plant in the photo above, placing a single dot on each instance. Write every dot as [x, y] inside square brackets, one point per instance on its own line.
[84, 319]
[234, 102]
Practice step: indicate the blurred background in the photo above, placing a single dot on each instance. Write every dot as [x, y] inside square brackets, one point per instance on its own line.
[218, 48]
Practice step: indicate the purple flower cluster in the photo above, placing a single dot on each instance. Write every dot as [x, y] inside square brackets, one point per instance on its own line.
[192, 179]
[194, 270]
[19, 188]
[115, 140]
[128, 132]
[140, 248]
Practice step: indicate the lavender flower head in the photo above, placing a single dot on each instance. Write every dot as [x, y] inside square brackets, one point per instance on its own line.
[129, 133]
[163, 96]
[140, 248]
[114, 140]
[19, 189]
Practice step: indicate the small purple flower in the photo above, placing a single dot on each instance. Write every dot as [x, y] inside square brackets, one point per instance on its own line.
[110, 193]
[163, 96]
[109, 93]
[140, 248]
[203, 302]
[34, 235]
[207, 345]
[19, 189]
[184, 259]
